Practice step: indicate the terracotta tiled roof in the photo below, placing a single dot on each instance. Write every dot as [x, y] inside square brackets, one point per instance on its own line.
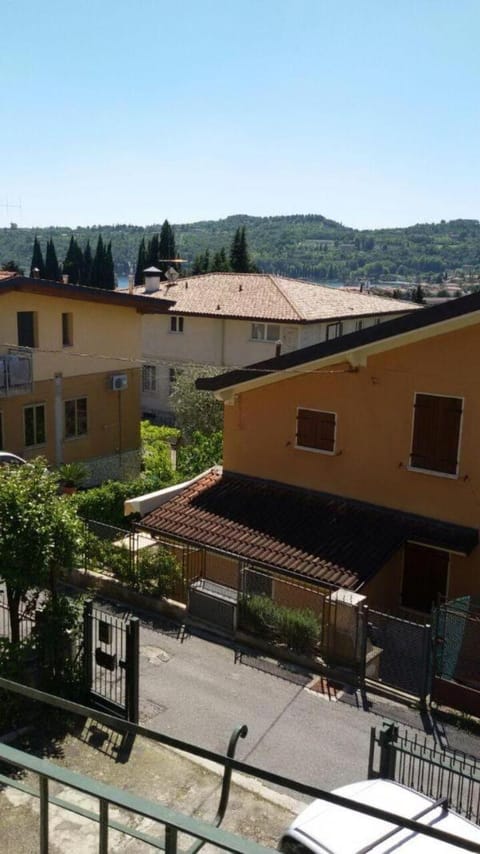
[320, 537]
[261, 296]
[344, 345]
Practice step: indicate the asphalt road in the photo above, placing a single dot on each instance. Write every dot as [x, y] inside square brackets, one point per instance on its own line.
[197, 687]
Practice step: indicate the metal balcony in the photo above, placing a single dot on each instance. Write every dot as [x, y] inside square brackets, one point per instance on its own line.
[16, 372]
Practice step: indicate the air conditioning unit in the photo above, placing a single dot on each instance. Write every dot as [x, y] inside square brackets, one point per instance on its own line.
[119, 382]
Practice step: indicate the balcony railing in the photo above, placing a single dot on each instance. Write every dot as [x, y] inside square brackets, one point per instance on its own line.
[172, 821]
[16, 372]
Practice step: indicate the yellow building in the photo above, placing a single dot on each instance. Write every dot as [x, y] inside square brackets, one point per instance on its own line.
[352, 463]
[70, 373]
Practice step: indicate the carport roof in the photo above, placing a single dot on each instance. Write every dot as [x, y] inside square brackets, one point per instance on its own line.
[326, 539]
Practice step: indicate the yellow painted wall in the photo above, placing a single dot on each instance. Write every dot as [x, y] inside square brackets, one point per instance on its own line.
[374, 407]
[113, 417]
[101, 334]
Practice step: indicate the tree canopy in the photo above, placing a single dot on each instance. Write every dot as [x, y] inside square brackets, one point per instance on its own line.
[38, 533]
[195, 411]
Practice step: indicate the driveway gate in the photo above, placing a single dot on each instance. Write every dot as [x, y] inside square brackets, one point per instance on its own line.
[406, 652]
[111, 656]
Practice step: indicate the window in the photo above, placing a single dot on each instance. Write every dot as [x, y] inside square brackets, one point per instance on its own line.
[176, 324]
[149, 378]
[425, 576]
[334, 330]
[67, 329]
[358, 325]
[316, 430]
[265, 332]
[75, 417]
[436, 433]
[34, 425]
[27, 328]
[172, 379]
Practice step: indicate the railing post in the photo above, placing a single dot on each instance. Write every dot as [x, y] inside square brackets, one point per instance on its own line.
[171, 834]
[388, 754]
[132, 669]
[43, 786]
[371, 775]
[87, 644]
[427, 665]
[103, 832]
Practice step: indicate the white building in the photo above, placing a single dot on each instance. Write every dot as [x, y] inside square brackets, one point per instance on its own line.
[234, 319]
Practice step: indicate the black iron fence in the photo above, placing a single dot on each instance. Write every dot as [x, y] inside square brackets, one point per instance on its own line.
[414, 762]
[26, 624]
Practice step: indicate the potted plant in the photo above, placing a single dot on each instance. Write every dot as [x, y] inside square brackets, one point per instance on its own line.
[72, 475]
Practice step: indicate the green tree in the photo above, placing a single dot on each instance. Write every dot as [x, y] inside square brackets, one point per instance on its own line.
[141, 264]
[418, 295]
[38, 535]
[37, 259]
[86, 272]
[167, 248]
[73, 263]
[152, 253]
[98, 264]
[11, 267]
[201, 453]
[52, 269]
[195, 411]
[239, 256]
[108, 276]
[220, 262]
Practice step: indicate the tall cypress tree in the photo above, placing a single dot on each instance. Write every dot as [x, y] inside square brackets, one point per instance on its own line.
[108, 278]
[141, 263]
[37, 259]
[239, 255]
[86, 271]
[52, 270]
[167, 248]
[152, 254]
[73, 263]
[98, 264]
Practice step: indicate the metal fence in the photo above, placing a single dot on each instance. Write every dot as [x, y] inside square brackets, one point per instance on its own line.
[438, 773]
[27, 620]
[404, 660]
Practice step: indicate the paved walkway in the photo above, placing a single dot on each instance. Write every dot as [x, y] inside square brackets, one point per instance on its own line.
[155, 772]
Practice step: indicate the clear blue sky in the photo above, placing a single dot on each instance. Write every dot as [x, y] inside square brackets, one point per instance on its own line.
[114, 111]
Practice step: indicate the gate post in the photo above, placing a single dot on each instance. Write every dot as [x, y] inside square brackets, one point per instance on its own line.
[132, 669]
[386, 739]
[427, 665]
[87, 643]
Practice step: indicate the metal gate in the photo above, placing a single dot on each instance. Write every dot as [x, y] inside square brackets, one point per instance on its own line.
[111, 661]
[405, 652]
[456, 679]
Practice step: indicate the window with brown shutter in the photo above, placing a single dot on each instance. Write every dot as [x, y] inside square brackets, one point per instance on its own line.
[425, 576]
[316, 430]
[436, 433]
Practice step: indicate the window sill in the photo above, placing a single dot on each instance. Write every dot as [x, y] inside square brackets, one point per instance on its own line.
[75, 438]
[333, 453]
[432, 472]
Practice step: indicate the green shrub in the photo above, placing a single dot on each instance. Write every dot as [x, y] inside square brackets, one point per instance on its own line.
[158, 571]
[105, 503]
[298, 628]
[259, 613]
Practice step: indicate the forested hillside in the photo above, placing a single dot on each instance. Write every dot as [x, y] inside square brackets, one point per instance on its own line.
[307, 246]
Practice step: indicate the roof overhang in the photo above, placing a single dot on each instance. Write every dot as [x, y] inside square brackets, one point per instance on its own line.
[45, 287]
[355, 355]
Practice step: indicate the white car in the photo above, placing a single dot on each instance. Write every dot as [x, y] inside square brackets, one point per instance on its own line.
[324, 828]
[10, 459]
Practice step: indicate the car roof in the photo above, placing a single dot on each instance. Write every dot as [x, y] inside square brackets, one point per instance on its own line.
[324, 827]
[6, 457]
